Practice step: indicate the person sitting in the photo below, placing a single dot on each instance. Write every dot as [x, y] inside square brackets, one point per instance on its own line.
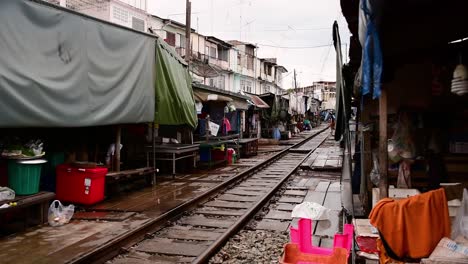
[307, 125]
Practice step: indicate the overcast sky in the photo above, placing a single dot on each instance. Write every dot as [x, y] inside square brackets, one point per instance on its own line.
[278, 27]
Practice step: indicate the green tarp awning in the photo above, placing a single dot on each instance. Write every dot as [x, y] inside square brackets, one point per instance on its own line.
[174, 96]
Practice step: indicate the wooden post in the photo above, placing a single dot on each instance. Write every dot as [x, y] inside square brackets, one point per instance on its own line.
[153, 141]
[207, 128]
[383, 153]
[366, 155]
[117, 147]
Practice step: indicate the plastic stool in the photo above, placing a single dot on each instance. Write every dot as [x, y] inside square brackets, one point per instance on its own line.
[302, 236]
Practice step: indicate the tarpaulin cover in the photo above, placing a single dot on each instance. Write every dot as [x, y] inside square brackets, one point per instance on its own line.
[174, 95]
[59, 69]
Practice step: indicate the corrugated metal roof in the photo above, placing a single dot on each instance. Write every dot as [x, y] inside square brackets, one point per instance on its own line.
[258, 101]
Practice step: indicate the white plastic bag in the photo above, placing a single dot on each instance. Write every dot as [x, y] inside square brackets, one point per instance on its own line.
[460, 224]
[310, 210]
[59, 214]
[6, 194]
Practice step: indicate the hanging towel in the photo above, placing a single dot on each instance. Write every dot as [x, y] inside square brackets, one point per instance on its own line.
[372, 57]
[227, 124]
[411, 228]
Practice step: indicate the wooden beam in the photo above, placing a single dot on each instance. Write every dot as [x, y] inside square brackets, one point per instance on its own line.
[383, 153]
[117, 147]
[366, 155]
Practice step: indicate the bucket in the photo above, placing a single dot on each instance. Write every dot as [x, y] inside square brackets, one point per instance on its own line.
[24, 175]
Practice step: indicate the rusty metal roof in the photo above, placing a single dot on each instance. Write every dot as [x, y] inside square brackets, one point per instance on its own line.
[258, 102]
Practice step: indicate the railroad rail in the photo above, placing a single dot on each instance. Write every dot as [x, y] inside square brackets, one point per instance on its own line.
[195, 230]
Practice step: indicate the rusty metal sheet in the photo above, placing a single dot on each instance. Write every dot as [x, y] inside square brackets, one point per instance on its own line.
[237, 198]
[169, 247]
[224, 204]
[274, 225]
[189, 234]
[288, 199]
[295, 193]
[220, 212]
[198, 220]
[285, 207]
[278, 215]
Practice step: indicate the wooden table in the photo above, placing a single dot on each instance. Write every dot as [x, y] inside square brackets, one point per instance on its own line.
[36, 206]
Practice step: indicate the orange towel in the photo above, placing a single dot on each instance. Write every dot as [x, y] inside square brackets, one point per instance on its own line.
[412, 227]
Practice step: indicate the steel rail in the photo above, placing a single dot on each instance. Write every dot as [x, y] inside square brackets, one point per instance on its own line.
[114, 247]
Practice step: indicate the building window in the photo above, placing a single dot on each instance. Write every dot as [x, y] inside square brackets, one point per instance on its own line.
[239, 58]
[267, 88]
[250, 62]
[246, 86]
[138, 24]
[211, 82]
[213, 52]
[219, 82]
[120, 14]
[222, 53]
[170, 38]
[182, 41]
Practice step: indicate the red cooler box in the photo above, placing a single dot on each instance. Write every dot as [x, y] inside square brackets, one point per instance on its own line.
[80, 185]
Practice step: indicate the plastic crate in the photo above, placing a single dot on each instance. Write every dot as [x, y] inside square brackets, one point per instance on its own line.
[80, 185]
[24, 176]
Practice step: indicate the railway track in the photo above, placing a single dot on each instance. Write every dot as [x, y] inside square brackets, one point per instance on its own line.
[194, 231]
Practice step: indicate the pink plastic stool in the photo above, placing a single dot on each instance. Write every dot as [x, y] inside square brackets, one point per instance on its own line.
[302, 235]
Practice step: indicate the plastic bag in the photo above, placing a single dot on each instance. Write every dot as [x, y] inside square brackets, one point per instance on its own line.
[401, 145]
[310, 210]
[59, 214]
[6, 194]
[375, 174]
[460, 224]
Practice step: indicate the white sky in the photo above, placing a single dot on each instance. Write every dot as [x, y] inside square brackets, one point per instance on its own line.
[279, 23]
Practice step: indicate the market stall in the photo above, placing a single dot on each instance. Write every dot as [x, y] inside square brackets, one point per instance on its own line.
[221, 123]
[66, 106]
[412, 91]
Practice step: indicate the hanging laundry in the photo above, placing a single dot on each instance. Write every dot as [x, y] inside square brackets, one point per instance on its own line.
[372, 57]
[226, 124]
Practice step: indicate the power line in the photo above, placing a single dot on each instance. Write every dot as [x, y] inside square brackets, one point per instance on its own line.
[286, 47]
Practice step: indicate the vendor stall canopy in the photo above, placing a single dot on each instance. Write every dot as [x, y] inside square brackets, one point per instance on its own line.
[61, 69]
[175, 104]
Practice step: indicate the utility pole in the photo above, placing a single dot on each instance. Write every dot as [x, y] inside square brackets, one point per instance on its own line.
[295, 90]
[188, 30]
